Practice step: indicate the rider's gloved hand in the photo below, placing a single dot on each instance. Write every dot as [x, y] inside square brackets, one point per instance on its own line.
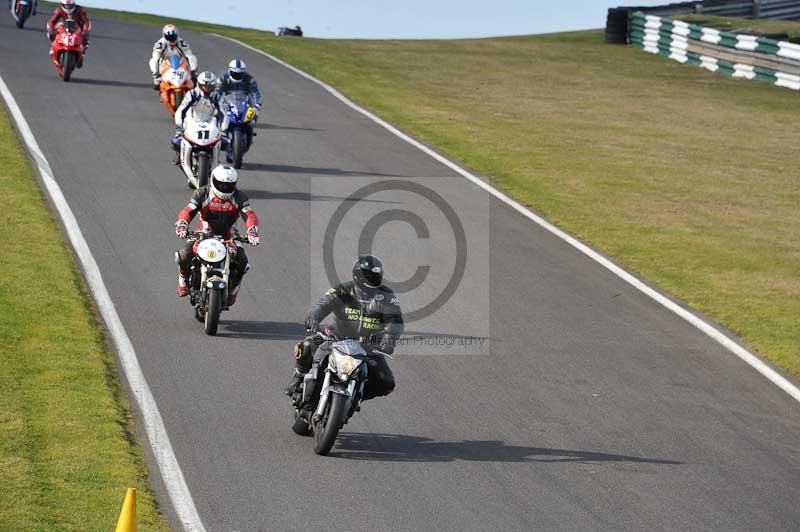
[252, 235]
[156, 82]
[181, 228]
[386, 346]
[178, 131]
[312, 325]
[194, 77]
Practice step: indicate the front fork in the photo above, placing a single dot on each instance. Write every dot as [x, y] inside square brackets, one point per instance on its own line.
[328, 389]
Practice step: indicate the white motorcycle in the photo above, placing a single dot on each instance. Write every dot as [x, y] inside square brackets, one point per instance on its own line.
[200, 146]
[210, 278]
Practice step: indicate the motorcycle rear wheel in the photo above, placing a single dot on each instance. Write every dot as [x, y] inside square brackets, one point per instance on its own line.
[22, 16]
[325, 434]
[213, 311]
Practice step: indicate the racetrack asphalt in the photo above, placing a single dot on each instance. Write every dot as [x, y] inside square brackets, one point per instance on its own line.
[588, 407]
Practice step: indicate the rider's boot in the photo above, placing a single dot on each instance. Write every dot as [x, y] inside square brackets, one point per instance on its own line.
[176, 146]
[183, 286]
[232, 295]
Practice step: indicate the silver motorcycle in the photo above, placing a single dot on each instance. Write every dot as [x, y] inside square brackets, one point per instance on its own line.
[342, 390]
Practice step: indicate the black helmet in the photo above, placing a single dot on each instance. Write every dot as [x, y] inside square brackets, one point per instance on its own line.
[368, 271]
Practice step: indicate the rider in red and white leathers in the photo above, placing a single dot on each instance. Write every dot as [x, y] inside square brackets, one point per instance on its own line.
[170, 44]
[219, 205]
[69, 10]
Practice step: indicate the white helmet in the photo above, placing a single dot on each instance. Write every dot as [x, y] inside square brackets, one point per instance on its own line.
[170, 33]
[207, 82]
[223, 181]
[236, 69]
[68, 6]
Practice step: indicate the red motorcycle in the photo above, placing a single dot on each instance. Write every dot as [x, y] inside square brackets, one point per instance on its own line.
[68, 48]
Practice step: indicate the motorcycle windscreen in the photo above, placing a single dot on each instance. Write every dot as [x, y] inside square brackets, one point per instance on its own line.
[240, 102]
[174, 62]
[203, 111]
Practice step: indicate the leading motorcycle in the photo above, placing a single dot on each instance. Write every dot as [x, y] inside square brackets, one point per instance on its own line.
[21, 10]
[210, 274]
[341, 392]
[67, 49]
[176, 81]
[200, 145]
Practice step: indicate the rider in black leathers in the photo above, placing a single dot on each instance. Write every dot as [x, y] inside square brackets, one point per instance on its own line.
[363, 309]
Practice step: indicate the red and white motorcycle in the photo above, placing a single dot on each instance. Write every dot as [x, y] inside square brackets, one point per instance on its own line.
[200, 145]
[67, 49]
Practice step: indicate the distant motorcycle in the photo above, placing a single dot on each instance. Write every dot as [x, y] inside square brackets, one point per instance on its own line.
[342, 390]
[21, 10]
[67, 49]
[199, 146]
[176, 81]
[210, 273]
[240, 114]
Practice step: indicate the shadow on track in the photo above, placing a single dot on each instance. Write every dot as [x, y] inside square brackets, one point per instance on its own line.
[120, 38]
[266, 126]
[398, 448]
[289, 169]
[112, 83]
[302, 196]
[261, 330]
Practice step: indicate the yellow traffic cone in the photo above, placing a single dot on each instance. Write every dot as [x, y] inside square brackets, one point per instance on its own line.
[127, 516]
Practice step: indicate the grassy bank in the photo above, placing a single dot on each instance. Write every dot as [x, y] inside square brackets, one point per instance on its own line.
[687, 178]
[67, 444]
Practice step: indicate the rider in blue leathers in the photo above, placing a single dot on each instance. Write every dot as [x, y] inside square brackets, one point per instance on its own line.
[237, 78]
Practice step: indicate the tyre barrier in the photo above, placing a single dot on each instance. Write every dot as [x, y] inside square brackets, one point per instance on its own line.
[740, 56]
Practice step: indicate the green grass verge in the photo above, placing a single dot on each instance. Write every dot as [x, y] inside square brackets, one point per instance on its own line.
[67, 444]
[686, 177]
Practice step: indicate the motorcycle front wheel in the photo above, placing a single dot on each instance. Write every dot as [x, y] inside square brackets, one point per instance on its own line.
[213, 310]
[238, 149]
[326, 430]
[203, 169]
[68, 61]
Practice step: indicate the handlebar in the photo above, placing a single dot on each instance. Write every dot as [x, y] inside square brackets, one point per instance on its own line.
[328, 333]
[194, 236]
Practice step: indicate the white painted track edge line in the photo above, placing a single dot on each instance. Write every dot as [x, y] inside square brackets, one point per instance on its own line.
[154, 424]
[752, 360]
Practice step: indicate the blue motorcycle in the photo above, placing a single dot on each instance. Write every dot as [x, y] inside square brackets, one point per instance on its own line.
[240, 133]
